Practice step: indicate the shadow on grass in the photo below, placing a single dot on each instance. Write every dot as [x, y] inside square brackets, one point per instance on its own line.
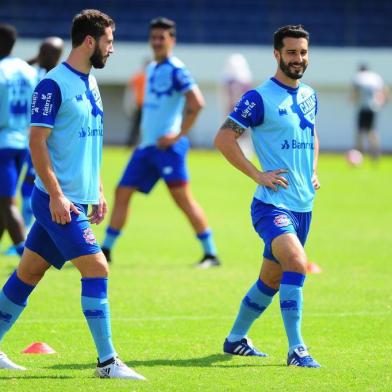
[21, 376]
[214, 360]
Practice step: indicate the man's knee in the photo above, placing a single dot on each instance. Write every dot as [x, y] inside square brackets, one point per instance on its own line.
[92, 266]
[32, 267]
[123, 195]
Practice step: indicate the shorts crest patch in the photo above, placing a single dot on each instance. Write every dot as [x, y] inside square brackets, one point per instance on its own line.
[89, 237]
[282, 220]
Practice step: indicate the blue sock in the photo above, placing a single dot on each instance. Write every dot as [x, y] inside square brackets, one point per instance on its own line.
[291, 307]
[95, 307]
[20, 248]
[253, 305]
[13, 300]
[207, 242]
[27, 212]
[110, 237]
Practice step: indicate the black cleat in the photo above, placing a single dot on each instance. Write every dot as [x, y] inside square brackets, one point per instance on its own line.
[106, 252]
[208, 261]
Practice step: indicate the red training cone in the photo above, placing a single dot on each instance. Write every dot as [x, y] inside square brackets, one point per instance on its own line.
[38, 348]
[313, 268]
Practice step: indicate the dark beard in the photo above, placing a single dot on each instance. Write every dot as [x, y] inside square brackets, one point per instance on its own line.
[286, 70]
[96, 59]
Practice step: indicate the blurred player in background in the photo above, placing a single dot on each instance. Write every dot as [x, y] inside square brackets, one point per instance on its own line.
[171, 104]
[237, 80]
[49, 55]
[370, 94]
[281, 114]
[66, 149]
[17, 82]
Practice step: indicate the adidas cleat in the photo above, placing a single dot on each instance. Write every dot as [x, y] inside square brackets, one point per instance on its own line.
[6, 363]
[208, 261]
[301, 357]
[116, 369]
[242, 347]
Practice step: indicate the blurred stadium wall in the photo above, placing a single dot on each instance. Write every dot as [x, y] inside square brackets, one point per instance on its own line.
[344, 33]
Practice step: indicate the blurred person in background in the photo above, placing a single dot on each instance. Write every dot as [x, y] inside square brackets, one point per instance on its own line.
[50, 52]
[281, 113]
[237, 80]
[171, 105]
[369, 93]
[17, 82]
[133, 103]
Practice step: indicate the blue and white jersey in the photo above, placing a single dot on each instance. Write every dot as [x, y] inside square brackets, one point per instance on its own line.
[167, 82]
[282, 121]
[17, 82]
[69, 102]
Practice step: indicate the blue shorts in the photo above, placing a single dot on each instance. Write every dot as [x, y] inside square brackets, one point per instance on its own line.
[270, 222]
[147, 165]
[11, 163]
[59, 243]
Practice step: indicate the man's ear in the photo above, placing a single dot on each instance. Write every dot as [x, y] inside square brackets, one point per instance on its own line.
[89, 41]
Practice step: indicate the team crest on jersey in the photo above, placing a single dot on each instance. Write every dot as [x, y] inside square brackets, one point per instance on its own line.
[282, 220]
[89, 237]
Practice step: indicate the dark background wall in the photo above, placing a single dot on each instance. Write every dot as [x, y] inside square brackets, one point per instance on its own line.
[332, 23]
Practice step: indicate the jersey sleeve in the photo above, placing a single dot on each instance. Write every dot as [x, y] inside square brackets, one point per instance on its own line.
[45, 103]
[183, 80]
[249, 110]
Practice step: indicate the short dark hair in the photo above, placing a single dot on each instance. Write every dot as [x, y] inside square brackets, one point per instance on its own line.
[164, 23]
[294, 31]
[8, 35]
[89, 22]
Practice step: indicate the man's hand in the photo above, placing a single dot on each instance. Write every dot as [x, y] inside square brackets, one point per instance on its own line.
[315, 182]
[98, 211]
[167, 140]
[272, 179]
[60, 209]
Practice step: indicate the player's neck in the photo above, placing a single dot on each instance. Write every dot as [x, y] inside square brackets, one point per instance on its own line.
[284, 79]
[80, 63]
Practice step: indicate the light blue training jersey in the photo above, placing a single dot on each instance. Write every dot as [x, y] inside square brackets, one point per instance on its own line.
[69, 102]
[282, 121]
[17, 82]
[166, 84]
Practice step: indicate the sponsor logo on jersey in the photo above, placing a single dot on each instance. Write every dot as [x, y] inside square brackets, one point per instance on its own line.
[48, 105]
[245, 113]
[85, 132]
[285, 145]
[297, 145]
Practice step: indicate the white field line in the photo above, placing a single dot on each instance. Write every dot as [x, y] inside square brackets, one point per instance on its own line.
[201, 318]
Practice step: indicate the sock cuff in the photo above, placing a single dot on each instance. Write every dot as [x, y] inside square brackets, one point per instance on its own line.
[111, 231]
[204, 235]
[16, 290]
[95, 287]
[293, 278]
[266, 289]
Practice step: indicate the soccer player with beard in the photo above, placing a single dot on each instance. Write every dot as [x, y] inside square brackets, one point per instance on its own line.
[66, 149]
[281, 114]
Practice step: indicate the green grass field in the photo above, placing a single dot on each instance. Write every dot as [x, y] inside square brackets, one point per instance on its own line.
[170, 320]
